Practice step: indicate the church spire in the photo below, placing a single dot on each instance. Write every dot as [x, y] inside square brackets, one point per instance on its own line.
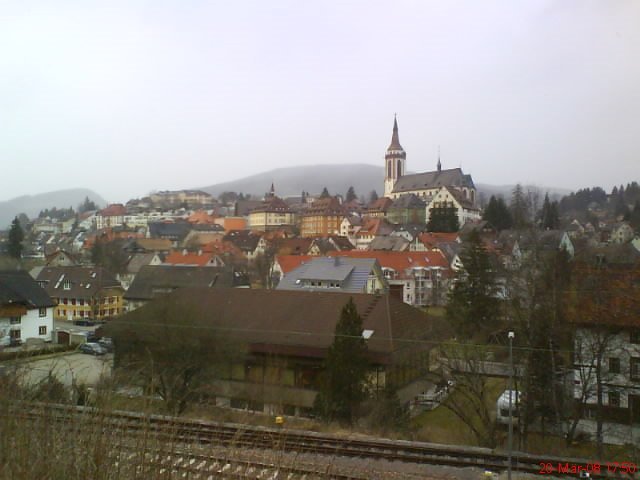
[395, 138]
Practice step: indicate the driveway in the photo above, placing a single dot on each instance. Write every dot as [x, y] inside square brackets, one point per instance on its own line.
[70, 368]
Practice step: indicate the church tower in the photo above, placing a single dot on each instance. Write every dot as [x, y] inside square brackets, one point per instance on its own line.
[394, 161]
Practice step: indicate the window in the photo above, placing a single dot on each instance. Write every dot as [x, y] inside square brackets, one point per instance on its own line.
[614, 399]
[15, 320]
[42, 330]
[66, 285]
[634, 336]
[635, 368]
[42, 312]
[614, 365]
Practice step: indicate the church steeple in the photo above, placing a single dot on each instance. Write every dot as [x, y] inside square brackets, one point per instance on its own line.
[395, 138]
[395, 159]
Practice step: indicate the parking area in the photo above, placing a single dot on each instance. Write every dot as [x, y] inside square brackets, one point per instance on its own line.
[69, 368]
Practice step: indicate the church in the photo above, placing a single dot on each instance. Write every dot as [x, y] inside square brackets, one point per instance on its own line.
[424, 185]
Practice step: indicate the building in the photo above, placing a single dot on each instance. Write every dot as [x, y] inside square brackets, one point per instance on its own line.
[26, 311]
[339, 274]
[323, 217]
[272, 214]
[154, 281]
[285, 337]
[408, 209]
[112, 216]
[82, 292]
[424, 185]
[447, 196]
[182, 198]
[604, 313]
[417, 278]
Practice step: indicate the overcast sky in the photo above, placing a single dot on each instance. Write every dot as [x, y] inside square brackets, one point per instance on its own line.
[126, 97]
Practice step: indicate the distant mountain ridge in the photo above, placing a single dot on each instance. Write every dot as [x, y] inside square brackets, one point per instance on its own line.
[31, 205]
[364, 178]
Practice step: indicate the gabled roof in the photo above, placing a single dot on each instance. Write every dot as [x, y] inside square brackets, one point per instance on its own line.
[245, 240]
[272, 205]
[443, 178]
[329, 206]
[407, 201]
[169, 230]
[285, 322]
[198, 259]
[139, 260]
[433, 239]
[389, 243]
[380, 205]
[290, 262]
[18, 287]
[158, 280]
[76, 282]
[351, 274]
[114, 210]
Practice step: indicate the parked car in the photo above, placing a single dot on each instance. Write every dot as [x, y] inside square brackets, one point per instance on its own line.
[93, 348]
[84, 323]
[107, 343]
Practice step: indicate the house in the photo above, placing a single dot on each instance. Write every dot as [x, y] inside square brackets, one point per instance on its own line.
[135, 262]
[332, 243]
[176, 232]
[340, 274]
[417, 278]
[407, 209]
[246, 241]
[451, 197]
[350, 226]
[111, 216]
[379, 207]
[323, 217]
[285, 337]
[621, 233]
[607, 347]
[390, 243]
[61, 258]
[370, 229]
[82, 292]
[154, 281]
[26, 311]
[198, 258]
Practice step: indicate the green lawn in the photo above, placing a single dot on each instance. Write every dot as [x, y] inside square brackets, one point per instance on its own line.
[441, 425]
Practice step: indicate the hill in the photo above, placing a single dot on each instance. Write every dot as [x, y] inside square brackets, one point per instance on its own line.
[32, 204]
[337, 178]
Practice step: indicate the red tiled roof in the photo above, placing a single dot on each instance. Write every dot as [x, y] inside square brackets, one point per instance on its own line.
[115, 210]
[291, 262]
[191, 258]
[201, 218]
[432, 239]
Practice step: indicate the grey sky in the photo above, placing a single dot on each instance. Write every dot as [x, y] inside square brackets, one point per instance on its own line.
[128, 96]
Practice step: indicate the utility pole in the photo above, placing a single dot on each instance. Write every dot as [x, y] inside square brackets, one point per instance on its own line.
[510, 440]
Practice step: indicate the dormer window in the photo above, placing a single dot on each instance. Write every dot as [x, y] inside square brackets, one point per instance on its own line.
[66, 285]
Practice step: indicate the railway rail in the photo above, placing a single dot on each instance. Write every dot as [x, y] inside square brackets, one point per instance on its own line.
[286, 440]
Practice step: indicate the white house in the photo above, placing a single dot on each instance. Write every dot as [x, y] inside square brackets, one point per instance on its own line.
[465, 208]
[26, 311]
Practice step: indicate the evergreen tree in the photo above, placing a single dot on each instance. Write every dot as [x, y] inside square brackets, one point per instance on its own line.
[549, 216]
[634, 216]
[325, 193]
[443, 218]
[519, 208]
[497, 213]
[473, 306]
[342, 386]
[373, 196]
[351, 195]
[87, 205]
[16, 236]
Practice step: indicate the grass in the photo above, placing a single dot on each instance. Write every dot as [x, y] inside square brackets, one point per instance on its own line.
[441, 425]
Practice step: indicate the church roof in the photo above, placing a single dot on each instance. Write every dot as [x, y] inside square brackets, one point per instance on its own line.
[452, 177]
[395, 138]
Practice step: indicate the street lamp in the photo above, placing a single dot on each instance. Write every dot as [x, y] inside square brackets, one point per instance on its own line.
[511, 335]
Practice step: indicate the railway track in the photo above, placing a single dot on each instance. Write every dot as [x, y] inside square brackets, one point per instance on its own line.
[285, 440]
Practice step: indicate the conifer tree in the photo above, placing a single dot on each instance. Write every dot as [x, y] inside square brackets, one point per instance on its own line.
[373, 196]
[443, 218]
[497, 213]
[16, 236]
[473, 306]
[325, 193]
[351, 195]
[343, 382]
[519, 208]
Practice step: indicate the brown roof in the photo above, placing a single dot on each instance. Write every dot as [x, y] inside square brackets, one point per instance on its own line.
[324, 206]
[115, 210]
[76, 282]
[273, 204]
[272, 320]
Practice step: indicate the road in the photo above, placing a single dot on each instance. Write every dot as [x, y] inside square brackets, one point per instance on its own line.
[70, 368]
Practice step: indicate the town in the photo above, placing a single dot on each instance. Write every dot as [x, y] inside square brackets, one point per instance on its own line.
[428, 305]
